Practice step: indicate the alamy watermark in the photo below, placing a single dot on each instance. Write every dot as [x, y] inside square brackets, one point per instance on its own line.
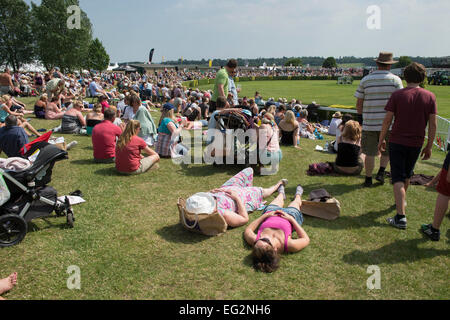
[374, 19]
[74, 280]
[228, 147]
[374, 281]
[74, 20]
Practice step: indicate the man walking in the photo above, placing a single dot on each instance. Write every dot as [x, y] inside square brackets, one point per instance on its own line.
[373, 94]
[222, 83]
[413, 109]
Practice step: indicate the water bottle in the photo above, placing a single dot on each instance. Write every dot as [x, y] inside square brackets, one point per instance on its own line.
[326, 146]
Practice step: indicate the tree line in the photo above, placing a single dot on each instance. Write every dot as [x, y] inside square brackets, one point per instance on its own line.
[304, 61]
[50, 33]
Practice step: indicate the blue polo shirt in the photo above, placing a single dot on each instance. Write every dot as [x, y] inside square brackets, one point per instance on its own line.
[12, 139]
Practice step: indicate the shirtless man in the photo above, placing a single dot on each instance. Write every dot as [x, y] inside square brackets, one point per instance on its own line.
[8, 283]
[6, 84]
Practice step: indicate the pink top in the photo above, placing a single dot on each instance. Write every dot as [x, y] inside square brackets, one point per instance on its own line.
[277, 223]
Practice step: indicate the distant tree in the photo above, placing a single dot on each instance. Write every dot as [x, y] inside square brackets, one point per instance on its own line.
[56, 43]
[295, 62]
[403, 62]
[16, 40]
[97, 58]
[329, 62]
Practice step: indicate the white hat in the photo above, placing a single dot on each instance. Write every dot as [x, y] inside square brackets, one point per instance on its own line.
[201, 203]
[121, 96]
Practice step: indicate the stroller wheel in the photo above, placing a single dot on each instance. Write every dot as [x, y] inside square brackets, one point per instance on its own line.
[70, 219]
[13, 229]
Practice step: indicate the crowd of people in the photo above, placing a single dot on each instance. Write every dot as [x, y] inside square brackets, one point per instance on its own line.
[125, 134]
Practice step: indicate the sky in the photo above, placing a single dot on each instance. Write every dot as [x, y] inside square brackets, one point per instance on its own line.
[196, 29]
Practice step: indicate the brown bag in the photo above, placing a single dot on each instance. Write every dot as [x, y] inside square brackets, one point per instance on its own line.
[329, 210]
[208, 224]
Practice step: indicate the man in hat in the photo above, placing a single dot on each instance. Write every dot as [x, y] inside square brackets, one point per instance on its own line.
[335, 123]
[373, 94]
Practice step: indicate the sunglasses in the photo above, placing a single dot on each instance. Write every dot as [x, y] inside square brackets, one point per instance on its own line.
[266, 241]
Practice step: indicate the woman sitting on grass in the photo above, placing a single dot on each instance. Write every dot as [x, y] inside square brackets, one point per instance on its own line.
[168, 131]
[349, 160]
[141, 114]
[40, 105]
[52, 111]
[289, 130]
[94, 118]
[234, 199]
[274, 235]
[5, 111]
[128, 152]
[73, 120]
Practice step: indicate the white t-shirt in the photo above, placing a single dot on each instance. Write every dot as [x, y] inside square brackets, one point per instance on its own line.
[121, 106]
[334, 125]
[129, 114]
[338, 134]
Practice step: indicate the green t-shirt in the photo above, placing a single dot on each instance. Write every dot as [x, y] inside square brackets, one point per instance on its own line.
[221, 78]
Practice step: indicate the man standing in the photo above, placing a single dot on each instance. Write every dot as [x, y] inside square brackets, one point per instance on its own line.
[373, 94]
[6, 84]
[222, 83]
[233, 91]
[413, 108]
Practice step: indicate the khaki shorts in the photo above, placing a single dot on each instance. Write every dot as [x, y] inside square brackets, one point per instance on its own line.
[369, 143]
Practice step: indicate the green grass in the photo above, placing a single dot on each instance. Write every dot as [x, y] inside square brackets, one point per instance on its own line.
[325, 92]
[129, 244]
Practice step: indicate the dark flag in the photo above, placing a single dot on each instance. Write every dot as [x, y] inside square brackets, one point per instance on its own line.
[150, 58]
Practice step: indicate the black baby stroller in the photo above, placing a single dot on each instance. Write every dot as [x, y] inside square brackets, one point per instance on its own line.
[30, 197]
[229, 121]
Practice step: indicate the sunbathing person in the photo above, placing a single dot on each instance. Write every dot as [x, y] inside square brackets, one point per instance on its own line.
[235, 198]
[8, 284]
[52, 111]
[274, 235]
[5, 111]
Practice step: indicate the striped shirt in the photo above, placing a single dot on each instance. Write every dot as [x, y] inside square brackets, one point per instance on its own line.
[376, 89]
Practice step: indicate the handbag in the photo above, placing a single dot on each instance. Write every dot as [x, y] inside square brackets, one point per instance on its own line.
[329, 210]
[208, 224]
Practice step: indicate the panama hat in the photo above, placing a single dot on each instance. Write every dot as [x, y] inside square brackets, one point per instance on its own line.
[201, 203]
[337, 115]
[385, 58]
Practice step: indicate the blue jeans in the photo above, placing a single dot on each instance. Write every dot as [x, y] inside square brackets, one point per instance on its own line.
[294, 212]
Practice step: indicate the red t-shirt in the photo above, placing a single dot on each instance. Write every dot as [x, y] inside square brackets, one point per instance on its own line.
[128, 159]
[104, 140]
[412, 108]
[105, 106]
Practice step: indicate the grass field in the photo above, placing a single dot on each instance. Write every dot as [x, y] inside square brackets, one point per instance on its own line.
[129, 244]
[325, 92]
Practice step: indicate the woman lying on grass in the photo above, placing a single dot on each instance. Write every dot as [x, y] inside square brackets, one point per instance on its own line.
[234, 199]
[274, 235]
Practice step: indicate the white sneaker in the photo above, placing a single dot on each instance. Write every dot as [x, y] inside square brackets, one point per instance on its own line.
[71, 145]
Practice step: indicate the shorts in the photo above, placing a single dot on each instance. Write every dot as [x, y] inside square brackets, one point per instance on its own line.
[294, 212]
[369, 143]
[357, 172]
[403, 160]
[443, 186]
[4, 90]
